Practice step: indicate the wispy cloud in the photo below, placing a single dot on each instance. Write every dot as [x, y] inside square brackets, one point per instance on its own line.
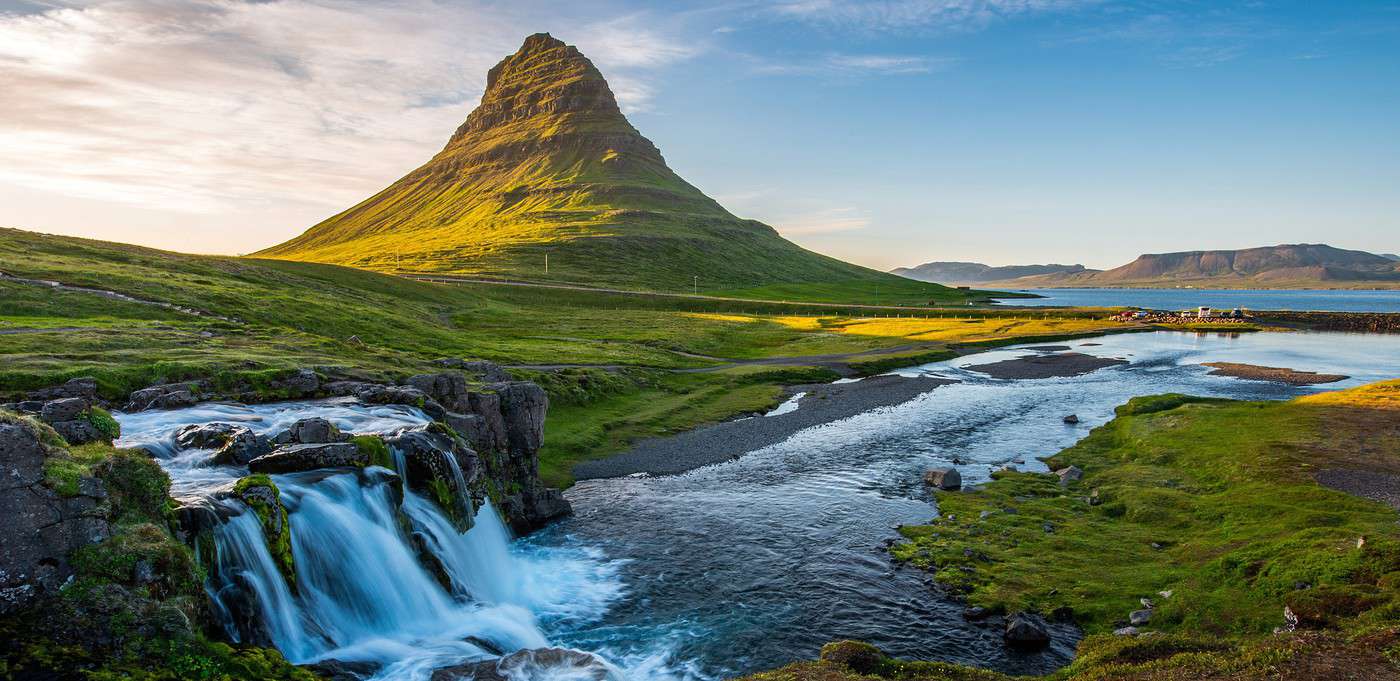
[899, 15]
[825, 221]
[854, 65]
[200, 105]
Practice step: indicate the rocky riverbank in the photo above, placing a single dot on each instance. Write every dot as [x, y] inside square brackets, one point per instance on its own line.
[819, 403]
[1255, 372]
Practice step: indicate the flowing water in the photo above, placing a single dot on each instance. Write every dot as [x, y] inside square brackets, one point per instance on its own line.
[728, 569]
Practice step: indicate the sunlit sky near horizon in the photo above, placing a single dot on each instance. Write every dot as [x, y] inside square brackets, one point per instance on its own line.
[885, 132]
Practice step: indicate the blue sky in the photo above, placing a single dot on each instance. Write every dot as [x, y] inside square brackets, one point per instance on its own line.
[888, 132]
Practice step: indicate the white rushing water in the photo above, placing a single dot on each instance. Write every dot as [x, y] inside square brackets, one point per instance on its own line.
[362, 591]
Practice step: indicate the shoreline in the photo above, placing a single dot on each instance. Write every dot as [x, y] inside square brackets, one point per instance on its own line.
[727, 440]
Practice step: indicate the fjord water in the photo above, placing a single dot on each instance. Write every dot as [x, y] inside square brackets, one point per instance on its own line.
[1184, 299]
[727, 569]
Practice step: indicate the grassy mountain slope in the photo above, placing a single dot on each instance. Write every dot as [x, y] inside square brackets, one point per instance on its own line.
[1283, 266]
[548, 165]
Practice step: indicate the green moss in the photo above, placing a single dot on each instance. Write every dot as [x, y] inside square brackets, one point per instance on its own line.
[277, 529]
[446, 500]
[373, 447]
[104, 423]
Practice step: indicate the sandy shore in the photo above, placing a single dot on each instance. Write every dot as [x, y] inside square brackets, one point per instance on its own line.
[1046, 366]
[823, 403]
[1260, 373]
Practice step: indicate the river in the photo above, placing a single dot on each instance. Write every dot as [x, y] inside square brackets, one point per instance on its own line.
[1190, 299]
[731, 568]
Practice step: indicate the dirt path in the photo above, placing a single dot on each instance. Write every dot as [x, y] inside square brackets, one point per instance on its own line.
[60, 286]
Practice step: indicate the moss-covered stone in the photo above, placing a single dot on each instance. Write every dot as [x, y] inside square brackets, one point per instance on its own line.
[261, 495]
[373, 447]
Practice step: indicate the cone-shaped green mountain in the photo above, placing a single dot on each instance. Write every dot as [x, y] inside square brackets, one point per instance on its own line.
[548, 164]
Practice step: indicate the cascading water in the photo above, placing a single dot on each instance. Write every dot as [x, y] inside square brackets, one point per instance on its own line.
[362, 591]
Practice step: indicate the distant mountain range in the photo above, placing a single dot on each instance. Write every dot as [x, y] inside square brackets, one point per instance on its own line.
[547, 180]
[1278, 267]
[976, 272]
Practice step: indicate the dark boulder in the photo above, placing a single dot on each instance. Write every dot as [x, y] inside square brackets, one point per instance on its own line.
[233, 445]
[523, 407]
[448, 388]
[310, 431]
[1070, 474]
[1026, 630]
[305, 457]
[84, 388]
[1072, 419]
[432, 463]
[943, 478]
[72, 418]
[171, 396]
[42, 525]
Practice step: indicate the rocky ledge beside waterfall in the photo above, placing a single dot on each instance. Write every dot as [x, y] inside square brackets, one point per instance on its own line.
[98, 557]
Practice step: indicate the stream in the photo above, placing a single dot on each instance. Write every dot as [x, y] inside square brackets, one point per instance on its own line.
[724, 570]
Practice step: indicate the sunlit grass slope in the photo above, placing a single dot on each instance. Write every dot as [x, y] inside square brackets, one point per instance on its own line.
[548, 167]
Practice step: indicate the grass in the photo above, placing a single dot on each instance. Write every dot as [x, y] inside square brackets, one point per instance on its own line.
[292, 314]
[1211, 500]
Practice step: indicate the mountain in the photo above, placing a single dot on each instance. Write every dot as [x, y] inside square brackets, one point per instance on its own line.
[547, 166]
[1391, 256]
[1283, 266]
[976, 272]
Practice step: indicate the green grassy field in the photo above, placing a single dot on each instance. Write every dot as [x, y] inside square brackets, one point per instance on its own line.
[284, 315]
[1210, 500]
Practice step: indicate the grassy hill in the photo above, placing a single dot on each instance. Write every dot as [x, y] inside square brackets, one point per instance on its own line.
[1287, 266]
[548, 166]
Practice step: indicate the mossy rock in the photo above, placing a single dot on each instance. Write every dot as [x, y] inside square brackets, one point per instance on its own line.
[260, 493]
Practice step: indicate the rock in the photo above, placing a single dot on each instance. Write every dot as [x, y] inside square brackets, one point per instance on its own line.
[1048, 527]
[42, 527]
[303, 383]
[486, 372]
[66, 409]
[1094, 499]
[1125, 631]
[1139, 618]
[172, 396]
[432, 462]
[1147, 603]
[943, 478]
[984, 515]
[311, 431]
[1071, 419]
[84, 388]
[449, 388]
[342, 670]
[233, 445]
[861, 658]
[523, 407]
[1070, 474]
[1025, 630]
[1166, 594]
[553, 663]
[305, 457]
[976, 613]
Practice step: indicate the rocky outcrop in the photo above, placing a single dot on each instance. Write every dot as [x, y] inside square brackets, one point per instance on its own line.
[78, 420]
[171, 396]
[1025, 630]
[262, 497]
[42, 525]
[943, 478]
[440, 466]
[305, 457]
[310, 431]
[232, 444]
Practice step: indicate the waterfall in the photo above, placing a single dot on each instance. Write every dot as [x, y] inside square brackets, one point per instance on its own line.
[362, 591]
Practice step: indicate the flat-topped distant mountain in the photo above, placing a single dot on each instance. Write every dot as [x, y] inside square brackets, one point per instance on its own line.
[976, 272]
[548, 167]
[1391, 256]
[1284, 266]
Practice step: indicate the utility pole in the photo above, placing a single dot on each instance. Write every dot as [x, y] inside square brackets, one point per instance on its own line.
[546, 262]
[695, 284]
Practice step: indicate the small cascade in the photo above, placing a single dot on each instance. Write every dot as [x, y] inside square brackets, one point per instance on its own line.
[367, 552]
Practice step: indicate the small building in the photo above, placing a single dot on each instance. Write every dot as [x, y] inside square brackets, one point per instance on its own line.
[1203, 312]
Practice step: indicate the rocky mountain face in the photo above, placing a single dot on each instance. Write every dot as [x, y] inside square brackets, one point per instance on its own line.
[976, 272]
[548, 164]
[1283, 266]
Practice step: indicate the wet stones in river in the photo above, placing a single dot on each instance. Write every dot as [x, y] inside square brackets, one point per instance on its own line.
[535, 663]
[172, 396]
[1026, 630]
[305, 457]
[309, 431]
[344, 670]
[943, 478]
[1072, 419]
[233, 445]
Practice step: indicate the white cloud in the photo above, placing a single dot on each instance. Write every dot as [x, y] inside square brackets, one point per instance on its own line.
[895, 15]
[825, 221]
[212, 105]
[854, 65]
